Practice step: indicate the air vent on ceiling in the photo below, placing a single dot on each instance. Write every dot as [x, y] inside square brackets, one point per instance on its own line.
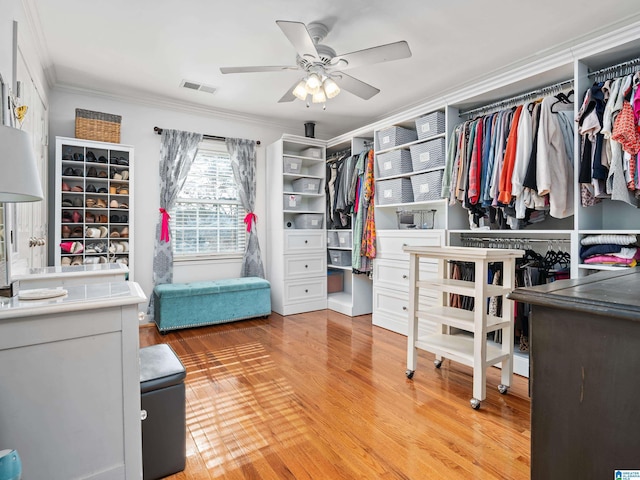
[197, 86]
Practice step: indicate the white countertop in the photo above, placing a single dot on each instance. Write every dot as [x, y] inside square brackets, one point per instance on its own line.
[71, 271]
[78, 297]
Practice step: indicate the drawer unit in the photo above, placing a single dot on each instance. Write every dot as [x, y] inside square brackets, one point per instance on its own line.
[390, 242]
[394, 274]
[299, 242]
[300, 266]
[391, 311]
[305, 290]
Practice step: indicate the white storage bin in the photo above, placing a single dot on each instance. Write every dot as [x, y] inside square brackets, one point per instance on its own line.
[292, 165]
[429, 154]
[308, 220]
[427, 186]
[312, 153]
[394, 136]
[430, 125]
[393, 163]
[395, 190]
[332, 239]
[306, 185]
[340, 258]
[292, 202]
[345, 239]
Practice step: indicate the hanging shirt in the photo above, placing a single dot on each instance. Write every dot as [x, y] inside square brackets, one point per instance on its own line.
[509, 160]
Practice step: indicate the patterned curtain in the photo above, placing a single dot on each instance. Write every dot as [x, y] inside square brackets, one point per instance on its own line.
[243, 163]
[177, 152]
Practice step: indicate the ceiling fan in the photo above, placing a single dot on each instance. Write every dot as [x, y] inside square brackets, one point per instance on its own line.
[324, 70]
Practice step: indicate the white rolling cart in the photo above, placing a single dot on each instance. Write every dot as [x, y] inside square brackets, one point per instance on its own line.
[458, 345]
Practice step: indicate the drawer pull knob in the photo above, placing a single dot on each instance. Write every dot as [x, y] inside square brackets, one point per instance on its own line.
[405, 276]
[306, 290]
[306, 266]
[404, 308]
[306, 241]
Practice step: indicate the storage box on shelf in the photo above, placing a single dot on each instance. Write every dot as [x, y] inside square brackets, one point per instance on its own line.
[427, 155]
[395, 162]
[93, 203]
[296, 236]
[394, 136]
[430, 125]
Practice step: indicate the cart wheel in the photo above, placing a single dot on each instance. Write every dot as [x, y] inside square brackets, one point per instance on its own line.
[475, 403]
[437, 363]
[409, 374]
[503, 389]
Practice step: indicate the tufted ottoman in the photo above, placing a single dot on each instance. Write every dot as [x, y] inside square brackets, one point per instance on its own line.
[183, 305]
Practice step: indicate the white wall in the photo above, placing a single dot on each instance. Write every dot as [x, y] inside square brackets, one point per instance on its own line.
[138, 121]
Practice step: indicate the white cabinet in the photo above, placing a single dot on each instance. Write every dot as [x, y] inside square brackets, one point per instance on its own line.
[296, 236]
[70, 381]
[473, 351]
[391, 277]
[93, 203]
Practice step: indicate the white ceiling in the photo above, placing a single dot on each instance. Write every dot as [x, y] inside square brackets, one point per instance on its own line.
[145, 48]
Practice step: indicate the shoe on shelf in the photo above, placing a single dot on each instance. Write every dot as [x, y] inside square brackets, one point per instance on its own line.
[122, 190]
[68, 172]
[101, 203]
[115, 233]
[76, 202]
[102, 259]
[116, 176]
[102, 190]
[125, 246]
[78, 157]
[66, 217]
[102, 159]
[77, 247]
[125, 174]
[91, 202]
[90, 260]
[91, 157]
[66, 247]
[104, 231]
[77, 188]
[113, 204]
[65, 261]
[65, 187]
[89, 218]
[93, 232]
[66, 231]
[91, 188]
[67, 203]
[76, 233]
[102, 219]
[92, 172]
[76, 217]
[102, 174]
[124, 233]
[76, 260]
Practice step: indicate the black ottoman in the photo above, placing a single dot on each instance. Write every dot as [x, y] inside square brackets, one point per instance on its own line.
[162, 397]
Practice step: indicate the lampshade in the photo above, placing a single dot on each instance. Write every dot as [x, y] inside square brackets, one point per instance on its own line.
[313, 83]
[300, 91]
[319, 96]
[19, 181]
[331, 88]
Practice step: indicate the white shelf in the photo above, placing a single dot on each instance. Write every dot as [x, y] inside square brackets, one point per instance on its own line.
[462, 287]
[339, 267]
[300, 175]
[407, 145]
[413, 204]
[595, 266]
[410, 174]
[459, 348]
[460, 318]
[303, 194]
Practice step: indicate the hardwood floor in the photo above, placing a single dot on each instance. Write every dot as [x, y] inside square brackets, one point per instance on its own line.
[324, 396]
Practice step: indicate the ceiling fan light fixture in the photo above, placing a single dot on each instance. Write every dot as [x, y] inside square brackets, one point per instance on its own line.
[314, 82]
[300, 90]
[319, 96]
[331, 88]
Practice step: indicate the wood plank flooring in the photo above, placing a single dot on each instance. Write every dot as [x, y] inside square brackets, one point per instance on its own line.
[324, 396]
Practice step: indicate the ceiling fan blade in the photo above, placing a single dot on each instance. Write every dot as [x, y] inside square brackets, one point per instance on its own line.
[289, 96]
[382, 53]
[355, 86]
[275, 68]
[299, 37]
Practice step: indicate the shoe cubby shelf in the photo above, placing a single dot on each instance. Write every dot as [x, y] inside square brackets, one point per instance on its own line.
[93, 203]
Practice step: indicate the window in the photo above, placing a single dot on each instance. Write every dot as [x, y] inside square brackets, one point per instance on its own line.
[208, 218]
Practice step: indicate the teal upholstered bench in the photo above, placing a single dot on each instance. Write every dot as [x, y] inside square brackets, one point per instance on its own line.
[183, 305]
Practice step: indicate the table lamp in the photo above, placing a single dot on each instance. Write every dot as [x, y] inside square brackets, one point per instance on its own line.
[19, 182]
[10, 465]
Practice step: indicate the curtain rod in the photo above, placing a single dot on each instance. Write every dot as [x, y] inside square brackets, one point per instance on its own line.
[614, 68]
[158, 130]
[518, 98]
[514, 239]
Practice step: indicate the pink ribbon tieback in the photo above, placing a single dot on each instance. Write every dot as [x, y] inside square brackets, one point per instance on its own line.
[249, 218]
[164, 232]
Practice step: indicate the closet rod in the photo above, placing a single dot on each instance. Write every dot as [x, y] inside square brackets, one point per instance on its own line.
[515, 239]
[339, 153]
[158, 130]
[615, 68]
[544, 91]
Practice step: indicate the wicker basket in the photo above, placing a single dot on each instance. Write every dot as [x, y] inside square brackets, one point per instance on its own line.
[102, 127]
